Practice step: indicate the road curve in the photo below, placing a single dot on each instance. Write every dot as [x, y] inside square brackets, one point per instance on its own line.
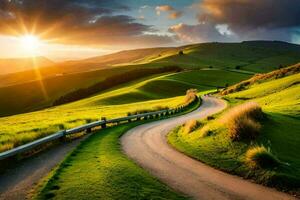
[147, 145]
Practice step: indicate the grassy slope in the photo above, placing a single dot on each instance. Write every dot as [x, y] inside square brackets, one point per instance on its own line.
[19, 129]
[280, 99]
[98, 169]
[39, 94]
[23, 90]
[250, 56]
[171, 86]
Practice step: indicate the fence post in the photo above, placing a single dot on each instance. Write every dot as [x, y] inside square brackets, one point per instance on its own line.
[104, 124]
[63, 138]
[88, 130]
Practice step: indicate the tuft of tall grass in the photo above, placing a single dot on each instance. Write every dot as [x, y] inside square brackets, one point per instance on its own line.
[191, 95]
[190, 126]
[242, 121]
[260, 156]
[205, 131]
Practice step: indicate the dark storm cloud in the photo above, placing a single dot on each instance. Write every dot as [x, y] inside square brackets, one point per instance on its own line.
[242, 15]
[73, 21]
[235, 20]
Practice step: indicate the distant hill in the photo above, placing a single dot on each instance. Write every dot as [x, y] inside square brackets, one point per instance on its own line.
[253, 56]
[63, 78]
[13, 65]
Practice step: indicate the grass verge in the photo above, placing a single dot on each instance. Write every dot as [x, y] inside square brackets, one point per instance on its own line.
[213, 146]
[98, 169]
[270, 155]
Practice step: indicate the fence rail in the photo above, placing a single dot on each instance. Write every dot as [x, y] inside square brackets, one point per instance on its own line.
[88, 128]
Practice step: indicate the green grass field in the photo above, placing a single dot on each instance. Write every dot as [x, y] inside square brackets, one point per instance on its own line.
[23, 91]
[280, 100]
[172, 85]
[98, 169]
[166, 90]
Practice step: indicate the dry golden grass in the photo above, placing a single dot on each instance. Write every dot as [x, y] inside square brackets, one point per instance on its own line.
[241, 121]
[262, 77]
[205, 131]
[191, 95]
[260, 156]
[190, 126]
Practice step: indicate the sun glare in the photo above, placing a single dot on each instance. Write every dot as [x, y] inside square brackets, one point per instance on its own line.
[30, 43]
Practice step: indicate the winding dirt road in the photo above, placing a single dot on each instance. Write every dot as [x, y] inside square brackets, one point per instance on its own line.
[147, 145]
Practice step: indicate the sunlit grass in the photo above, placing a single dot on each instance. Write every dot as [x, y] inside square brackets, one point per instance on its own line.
[98, 169]
[190, 126]
[146, 94]
[20, 129]
[270, 157]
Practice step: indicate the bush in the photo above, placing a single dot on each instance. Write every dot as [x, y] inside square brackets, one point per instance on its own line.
[190, 126]
[262, 157]
[241, 121]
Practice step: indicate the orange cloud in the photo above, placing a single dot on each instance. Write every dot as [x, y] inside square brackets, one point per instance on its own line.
[172, 13]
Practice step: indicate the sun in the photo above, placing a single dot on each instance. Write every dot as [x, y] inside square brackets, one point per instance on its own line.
[30, 43]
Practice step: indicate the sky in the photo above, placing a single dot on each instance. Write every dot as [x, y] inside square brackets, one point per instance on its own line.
[76, 29]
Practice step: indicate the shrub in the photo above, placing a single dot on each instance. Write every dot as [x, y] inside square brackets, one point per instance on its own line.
[262, 157]
[241, 121]
[190, 126]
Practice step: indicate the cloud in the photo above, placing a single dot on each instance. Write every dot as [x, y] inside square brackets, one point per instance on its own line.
[175, 15]
[203, 32]
[235, 20]
[172, 13]
[117, 30]
[83, 22]
[245, 15]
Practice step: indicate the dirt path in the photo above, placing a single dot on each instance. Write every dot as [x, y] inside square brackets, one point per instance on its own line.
[147, 145]
[16, 182]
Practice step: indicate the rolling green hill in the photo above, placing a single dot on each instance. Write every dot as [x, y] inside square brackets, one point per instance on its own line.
[255, 56]
[147, 93]
[278, 94]
[172, 85]
[32, 90]
[35, 95]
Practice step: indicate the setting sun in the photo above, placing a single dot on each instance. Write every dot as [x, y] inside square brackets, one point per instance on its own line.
[30, 43]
